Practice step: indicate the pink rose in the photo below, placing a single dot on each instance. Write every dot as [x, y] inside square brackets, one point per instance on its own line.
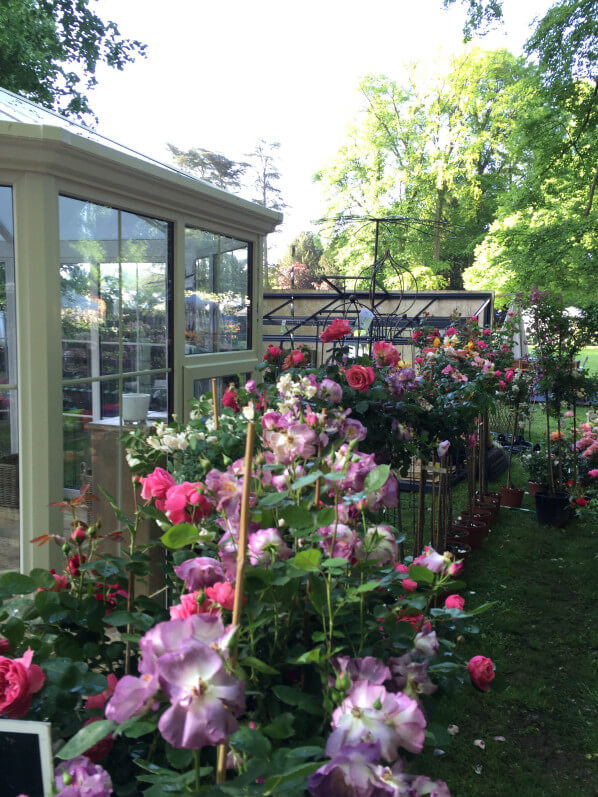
[339, 328]
[409, 584]
[593, 473]
[156, 484]
[222, 592]
[4, 645]
[481, 672]
[186, 504]
[454, 602]
[99, 701]
[385, 353]
[187, 606]
[19, 679]
[359, 377]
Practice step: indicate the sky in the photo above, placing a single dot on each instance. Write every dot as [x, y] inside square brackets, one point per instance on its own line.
[222, 74]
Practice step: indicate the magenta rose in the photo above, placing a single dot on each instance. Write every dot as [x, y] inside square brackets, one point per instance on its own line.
[19, 679]
[481, 672]
[156, 485]
[454, 602]
[360, 377]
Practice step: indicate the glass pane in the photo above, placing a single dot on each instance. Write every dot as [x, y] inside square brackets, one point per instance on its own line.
[8, 328]
[9, 482]
[203, 386]
[217, 293]
[114, 286]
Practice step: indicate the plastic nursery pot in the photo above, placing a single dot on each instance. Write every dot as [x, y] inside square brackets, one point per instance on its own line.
[493, 497]
[536, 487]
[458, 533]
[553, 509]
[459, 550]
[487, 506]
[476, 532]
[478, 515]
[511, 496]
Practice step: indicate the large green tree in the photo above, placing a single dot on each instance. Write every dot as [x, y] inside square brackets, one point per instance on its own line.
[434, 154]
[546, 228]
[49, 51]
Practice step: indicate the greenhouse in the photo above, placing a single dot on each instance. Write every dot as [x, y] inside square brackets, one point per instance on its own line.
[126, 286]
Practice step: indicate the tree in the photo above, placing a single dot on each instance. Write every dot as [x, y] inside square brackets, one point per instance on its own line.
[265, 189]
[210, 166]
[545, 230]
[296, 276]
[434, 155]
[49, 51]
[306, 248]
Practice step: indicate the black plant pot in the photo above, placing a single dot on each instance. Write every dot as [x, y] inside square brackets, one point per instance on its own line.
[553, 510]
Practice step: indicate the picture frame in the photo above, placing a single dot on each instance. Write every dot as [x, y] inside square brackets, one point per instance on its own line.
[26, 760]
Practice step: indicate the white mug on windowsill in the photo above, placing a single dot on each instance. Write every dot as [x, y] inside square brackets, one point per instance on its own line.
[135, 407]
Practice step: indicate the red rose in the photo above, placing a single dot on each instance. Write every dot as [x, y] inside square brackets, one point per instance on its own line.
[340, 328]
[19, 679]
[229, 399]
[293, 359]
[273, 353]
[359, 377]
[581, 501]
[72, 567]
[4, 645]
[481, 672]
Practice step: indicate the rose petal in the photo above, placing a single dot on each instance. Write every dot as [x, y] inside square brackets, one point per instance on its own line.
[480, 743]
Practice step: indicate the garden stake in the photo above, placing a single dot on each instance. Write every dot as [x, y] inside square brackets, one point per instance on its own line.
[419, 536]
[433, 527]
[241, 555]
[215, 403]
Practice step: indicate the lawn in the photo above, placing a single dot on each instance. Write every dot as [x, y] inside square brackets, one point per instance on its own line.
[543, 638]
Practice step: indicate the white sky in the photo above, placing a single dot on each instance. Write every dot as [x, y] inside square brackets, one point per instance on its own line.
[222, 74]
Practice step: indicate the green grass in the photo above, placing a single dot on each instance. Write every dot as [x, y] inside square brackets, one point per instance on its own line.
[591, 352]
[543, 638]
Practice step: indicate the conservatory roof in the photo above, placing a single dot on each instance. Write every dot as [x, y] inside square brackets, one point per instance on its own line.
[33, 126]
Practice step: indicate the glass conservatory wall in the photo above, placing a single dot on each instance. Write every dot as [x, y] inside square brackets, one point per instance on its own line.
[9, 432]
[217, 293]
[114, 281]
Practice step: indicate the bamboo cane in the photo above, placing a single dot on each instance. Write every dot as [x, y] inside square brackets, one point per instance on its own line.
[215, 403]
[241, 555]
[419, 537]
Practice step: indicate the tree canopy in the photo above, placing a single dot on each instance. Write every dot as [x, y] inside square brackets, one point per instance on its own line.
[49, 51]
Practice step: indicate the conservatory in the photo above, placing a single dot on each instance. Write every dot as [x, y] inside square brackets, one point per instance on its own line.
[125, 286]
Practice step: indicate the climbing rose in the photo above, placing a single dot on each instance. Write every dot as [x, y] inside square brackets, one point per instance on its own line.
[339, 328]
[19, 679]
[293, 359]
[481, 672]
[359, 377]
[273, 353]
[454, 602]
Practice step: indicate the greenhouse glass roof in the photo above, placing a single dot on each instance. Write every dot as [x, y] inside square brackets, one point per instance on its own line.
[17, 109]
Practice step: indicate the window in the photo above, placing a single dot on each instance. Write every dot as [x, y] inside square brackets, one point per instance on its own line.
[217, 293]
[115, 276]
[9, 426]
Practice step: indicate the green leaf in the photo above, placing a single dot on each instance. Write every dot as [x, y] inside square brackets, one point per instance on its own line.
[105, 569]
[275, 781]
[297, 517]
[281, 727]
[14, 631]
[295, 697]
[325, 517]
[42, 578]
[335, 562]
[86, 738]
[312, 656]
[317, 593]
[376, 478]
[335, 477]
[305, 481]
[260, 666]
[369, 586]
[14, 583]
[421, 574]
[252, 741]
[140, 728]
[272, 499]
[178, 758]
[180, 535]
[307, 560]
